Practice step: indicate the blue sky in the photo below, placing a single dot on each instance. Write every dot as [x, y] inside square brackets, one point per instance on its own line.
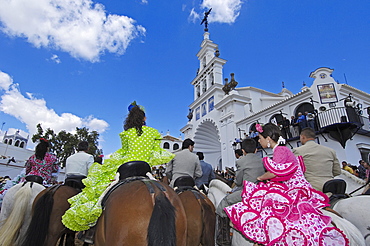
[79, 63]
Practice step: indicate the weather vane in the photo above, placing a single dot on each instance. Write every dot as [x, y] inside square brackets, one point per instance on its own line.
[205, 20]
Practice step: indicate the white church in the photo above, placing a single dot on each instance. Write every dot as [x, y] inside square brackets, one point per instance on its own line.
[222, 114]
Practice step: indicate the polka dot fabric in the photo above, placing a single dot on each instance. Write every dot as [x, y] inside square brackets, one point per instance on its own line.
[286, 209]
[85, 209]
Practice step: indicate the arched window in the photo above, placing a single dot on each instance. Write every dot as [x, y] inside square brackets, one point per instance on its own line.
[176, 146]
[10, 141]
[6, 141]
[303, 108]
[166, 145]
[22, 145]
[212, 79]
[276, 119]
[17, 143]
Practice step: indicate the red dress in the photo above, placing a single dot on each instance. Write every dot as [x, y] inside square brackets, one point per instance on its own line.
[43, 168]
[286, 209]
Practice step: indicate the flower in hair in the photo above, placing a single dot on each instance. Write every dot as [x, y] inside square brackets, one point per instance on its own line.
[259, 128]
[133, 104]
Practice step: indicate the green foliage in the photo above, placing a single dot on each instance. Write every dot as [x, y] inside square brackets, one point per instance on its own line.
[64, 144]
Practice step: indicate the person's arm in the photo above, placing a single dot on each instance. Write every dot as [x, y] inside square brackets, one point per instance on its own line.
[336, 166]
[169, 169]
[90, 161]
[211, 175]
[198, 169]
[28, 165]
[267, 175]
[239, 177]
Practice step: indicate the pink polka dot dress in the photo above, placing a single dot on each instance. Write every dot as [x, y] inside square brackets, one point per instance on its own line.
[286, 209]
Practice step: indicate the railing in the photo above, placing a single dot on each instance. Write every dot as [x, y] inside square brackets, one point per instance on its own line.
[341, 115]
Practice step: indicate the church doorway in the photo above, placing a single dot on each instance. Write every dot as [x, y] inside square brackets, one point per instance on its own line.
[207, 140]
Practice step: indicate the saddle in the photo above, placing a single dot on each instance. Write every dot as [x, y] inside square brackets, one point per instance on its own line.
[337, 187]
[184, 183]
[75, 181]
[133, 168]
[129, 172]
[34, 178]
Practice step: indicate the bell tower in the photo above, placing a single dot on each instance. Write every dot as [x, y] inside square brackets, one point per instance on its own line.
[210, 67]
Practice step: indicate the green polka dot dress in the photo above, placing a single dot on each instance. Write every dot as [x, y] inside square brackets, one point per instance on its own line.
[85, 209]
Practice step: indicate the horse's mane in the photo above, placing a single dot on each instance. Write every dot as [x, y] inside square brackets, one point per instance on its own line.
[162, 225]
[220, 185]
[39, 226]
[9, 231]
[353, 177]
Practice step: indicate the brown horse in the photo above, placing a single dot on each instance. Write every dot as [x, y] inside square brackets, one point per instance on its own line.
[142, 212]
[46, 226]
[200, 213]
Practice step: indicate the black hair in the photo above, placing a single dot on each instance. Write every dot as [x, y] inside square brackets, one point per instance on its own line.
[272, 131]
[83, 146]
[135, 119]
[41, 149]
[239, 152]
[187, 142]
[200, 155]
[249, 145]
[98, 159]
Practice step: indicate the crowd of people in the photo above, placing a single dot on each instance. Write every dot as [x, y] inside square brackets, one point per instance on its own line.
[291, 178]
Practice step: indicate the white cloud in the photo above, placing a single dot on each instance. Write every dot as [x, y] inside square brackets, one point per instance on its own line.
[194, 16]
[55, 59]
[5, 81]
[79, 27]
[223, 11]
[31, 111]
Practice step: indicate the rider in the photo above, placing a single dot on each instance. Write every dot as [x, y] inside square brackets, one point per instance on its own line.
[43, 163]
[139, 143]
[283, 209]
[248, 167]
[185, 163]
[78, 164]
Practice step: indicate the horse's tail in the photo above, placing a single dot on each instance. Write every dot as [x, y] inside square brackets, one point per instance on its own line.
[162, 225]
[9, 231]
[209, 223]
[38, 228]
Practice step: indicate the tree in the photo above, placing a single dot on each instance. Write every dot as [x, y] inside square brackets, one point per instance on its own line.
[64, 143]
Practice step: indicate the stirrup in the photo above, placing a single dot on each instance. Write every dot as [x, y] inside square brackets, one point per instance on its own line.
[87, 236]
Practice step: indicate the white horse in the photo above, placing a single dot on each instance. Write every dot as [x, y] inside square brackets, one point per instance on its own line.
[355, 208]
[15, 214]
[218, 190]
[353, 182]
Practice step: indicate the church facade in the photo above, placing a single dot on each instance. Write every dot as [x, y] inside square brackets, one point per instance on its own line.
[222, 114]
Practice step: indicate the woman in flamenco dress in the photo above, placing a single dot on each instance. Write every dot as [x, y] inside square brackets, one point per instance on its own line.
[283, 209]
[139, 143]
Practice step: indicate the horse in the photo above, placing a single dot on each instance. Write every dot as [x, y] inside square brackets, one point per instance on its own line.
[140, 206]
[218, 190]
[46, 226]
[15, 212]
[200, 213]
[140, 211]
[352, 183]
